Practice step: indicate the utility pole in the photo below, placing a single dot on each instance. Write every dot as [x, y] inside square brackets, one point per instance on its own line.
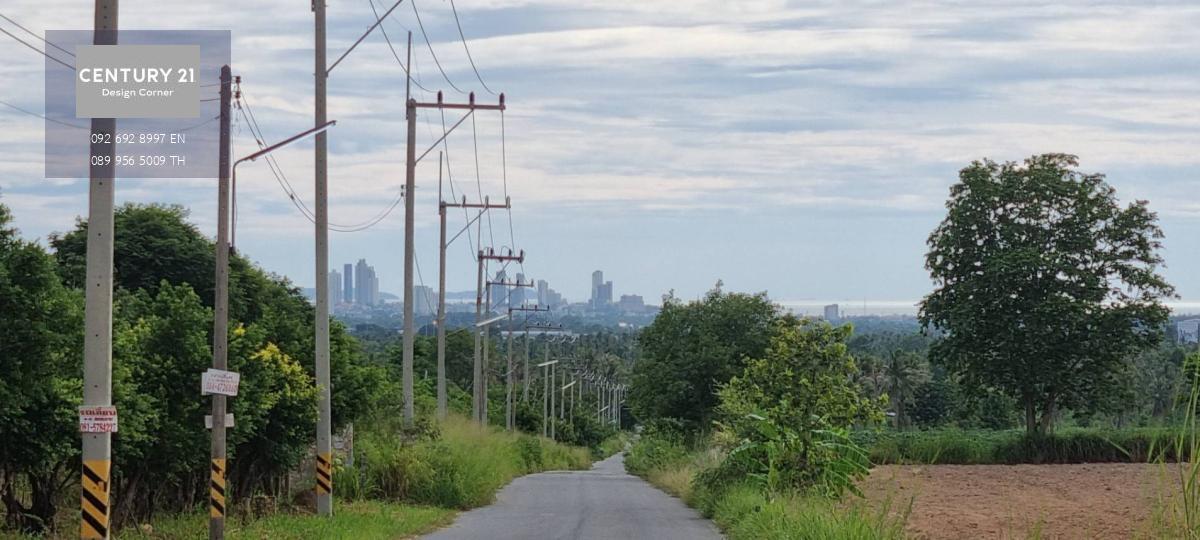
[97, 337]
[547, 393]
[324, 458]
[525, 377]
[217, 493]
[510, 415]
[410, 183]
[478, 408]
[443, 245]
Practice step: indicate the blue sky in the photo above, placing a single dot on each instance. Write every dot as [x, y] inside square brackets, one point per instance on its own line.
[803, 148]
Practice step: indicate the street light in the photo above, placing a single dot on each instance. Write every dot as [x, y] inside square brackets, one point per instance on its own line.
[319, 129]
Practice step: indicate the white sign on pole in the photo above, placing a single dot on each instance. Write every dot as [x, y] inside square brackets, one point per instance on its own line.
[228, 420]
[98, 419]
[216, 381]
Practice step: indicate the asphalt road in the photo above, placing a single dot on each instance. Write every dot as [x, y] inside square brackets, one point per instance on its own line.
[601, 504]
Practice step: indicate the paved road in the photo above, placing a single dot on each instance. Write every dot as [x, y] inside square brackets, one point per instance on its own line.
[605, 503]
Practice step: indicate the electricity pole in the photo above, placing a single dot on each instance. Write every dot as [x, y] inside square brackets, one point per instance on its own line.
[525, 377]
[509, 396]
[441, 321]
[478, 407]
[324, 461]
[546, 392]
[217, 493]
[97, 337]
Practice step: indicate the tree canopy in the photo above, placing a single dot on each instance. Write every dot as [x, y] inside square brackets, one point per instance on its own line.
[691, 349]
[1044, 283]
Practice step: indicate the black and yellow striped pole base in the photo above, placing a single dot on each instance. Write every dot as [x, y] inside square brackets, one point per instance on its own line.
[324, 474]
[94, 499]
[216, 489]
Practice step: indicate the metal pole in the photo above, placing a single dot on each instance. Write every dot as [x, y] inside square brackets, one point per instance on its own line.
[441, 321]
[217, 500]
[410, 180]
[324, 458]
[97, 337]
[477, 366]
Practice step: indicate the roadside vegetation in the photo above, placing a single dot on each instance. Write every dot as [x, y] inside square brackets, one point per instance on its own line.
[1042, 342]
[401, 481]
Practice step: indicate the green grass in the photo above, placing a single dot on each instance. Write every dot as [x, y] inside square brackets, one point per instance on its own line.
[462, 469]
[976, 447]
[357, 520]
[746, 512]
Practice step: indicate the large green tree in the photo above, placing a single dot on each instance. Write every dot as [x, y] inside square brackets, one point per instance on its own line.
[692, 348]
[41, 334]
[1044, 283]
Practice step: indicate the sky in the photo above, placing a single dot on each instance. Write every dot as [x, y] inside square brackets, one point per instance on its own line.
[805, 149]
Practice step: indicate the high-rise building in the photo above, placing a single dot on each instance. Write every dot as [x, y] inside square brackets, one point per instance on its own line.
[516, 297]
[604, 295]
[367, 290]
[335, 287]
[597, 282]
[832, 312]
[499, 292]
[542, 288]
[348, 283]
[425, 300]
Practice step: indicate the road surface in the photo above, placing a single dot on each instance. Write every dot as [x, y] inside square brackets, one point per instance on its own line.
[605, 503]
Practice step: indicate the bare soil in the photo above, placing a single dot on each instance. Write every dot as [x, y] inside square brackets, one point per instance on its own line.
[1108, 500]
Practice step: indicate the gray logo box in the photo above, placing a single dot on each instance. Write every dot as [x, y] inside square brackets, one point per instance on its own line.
[137, 81]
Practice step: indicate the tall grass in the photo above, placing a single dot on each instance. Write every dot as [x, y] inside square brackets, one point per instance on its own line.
[747, 512]
[1177, 512]
[463, 468]
[1072, 445]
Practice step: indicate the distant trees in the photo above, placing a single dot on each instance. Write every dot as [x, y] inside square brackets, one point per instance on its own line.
[1044, 284]
[692, 348]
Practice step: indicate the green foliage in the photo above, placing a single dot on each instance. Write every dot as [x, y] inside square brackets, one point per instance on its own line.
[976, 447]
[691, 349]
[461, 469]
[1044, 284]
[41, 329]
[790, 409]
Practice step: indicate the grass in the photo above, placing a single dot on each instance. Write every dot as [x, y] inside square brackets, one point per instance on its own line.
[978, 447]
[397, 489]
[747, 512]
[462, 469]
[352, 520]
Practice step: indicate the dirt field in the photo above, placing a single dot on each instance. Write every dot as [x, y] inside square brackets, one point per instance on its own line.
[1012, 501]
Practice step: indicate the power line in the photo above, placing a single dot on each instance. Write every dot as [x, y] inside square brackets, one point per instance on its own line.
[30, 32]
[37, 50]
[465, 48]
[407, 69]
[31, 113]
[430, 45]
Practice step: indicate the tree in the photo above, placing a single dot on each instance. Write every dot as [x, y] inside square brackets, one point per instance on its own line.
[1044, 283]
[41, 333]
[691, 349]
[904, 371]
[792, 408]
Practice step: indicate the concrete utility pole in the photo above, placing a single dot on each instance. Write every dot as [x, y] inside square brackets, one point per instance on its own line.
[479, 390]
[97, 337]
[553, 388]
[546, 393]
[217, 503]
[510, 417]
[443, 245]
[410, 183]
[324, 458]
[525, 377]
